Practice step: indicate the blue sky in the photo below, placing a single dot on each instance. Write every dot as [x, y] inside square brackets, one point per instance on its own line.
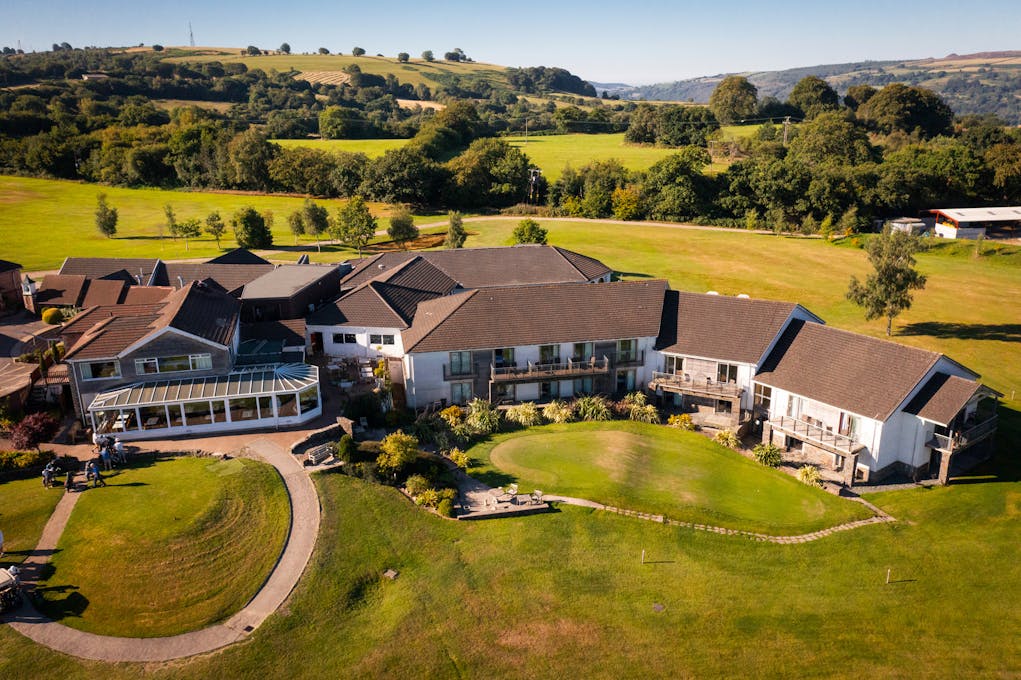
[642, 41]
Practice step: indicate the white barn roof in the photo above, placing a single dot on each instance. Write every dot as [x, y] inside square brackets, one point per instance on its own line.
[1008, 214]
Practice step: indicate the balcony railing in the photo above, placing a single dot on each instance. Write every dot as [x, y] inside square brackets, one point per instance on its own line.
[815, 435]
[962, 440]
[636, 358]
[685, 384]
[533, 371]
[460, 372]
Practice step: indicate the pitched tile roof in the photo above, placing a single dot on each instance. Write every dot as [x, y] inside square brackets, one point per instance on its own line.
[230, 277]
[15, 377]
[489, 267]
[238, 256]
[103, 292]
[141, 295]
[110, 336]
[286, 280]
[857, 373]
[942, 397]
[7, 265]
[530, 315]
[107, 267]
[61, 290]
[201, 311]
[291, 331]
[720, 327]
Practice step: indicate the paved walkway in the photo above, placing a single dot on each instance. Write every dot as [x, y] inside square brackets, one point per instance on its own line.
[305, 517]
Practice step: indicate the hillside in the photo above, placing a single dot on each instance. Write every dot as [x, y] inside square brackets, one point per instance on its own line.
[987, 82]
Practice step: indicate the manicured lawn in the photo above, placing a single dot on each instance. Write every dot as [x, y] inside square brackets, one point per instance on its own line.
[552, 152]
[370, 147]
[168, 547]
[661, 470]
[45, 221]
[566, 595]
[25, 506]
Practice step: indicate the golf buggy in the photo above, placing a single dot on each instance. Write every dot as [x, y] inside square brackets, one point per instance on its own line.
[10, 591]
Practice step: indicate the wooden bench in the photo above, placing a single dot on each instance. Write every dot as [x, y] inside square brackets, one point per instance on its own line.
[319, 453]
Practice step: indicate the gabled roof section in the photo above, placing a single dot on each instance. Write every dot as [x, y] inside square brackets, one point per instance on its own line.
[110, 336]
[238, 256]
[589, 267]
[531, 315]
[7, 266]
[61, 290]
[230, 277]
[943, 397]
[418, 274]
[111, 267]
[857, 373]
[104, 292]
[720, 327]
[201, 311]
[286, 280]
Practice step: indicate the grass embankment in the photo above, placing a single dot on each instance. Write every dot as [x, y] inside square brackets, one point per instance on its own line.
[168, 547]
[25, 506]
[48, 220]
[661, 470]
[566, 595]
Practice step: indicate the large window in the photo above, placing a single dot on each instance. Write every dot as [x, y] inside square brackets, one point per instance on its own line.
[153, 417]
[503, 357]
[219, 411]
[197, 413]
[245, 408]
[549, 390]
[265, 407]
[98, 370]
[503, 392]
[460, 393]
[344, 339]
[582, 386]
[627, 350]
[460, 363]
[625, 381]
[763, 396]
[184, 362]
[726, 373]
[583, 351]
[549, 354]
[675, 365]
[308, 398]
[287, 404]
[377, 339]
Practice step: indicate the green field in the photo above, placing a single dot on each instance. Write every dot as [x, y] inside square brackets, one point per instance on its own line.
[45, 221]
[25, 506]
[416, 72]
[566, 595]
[370, 147]
[167, 547]
[660, 470]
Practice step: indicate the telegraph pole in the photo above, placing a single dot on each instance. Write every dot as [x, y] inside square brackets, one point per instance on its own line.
[786, 125]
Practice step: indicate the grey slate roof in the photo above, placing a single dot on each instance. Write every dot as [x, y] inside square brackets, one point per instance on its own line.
[942, 397]
[857, 373]
[285, 280]
[238, 256]
[530, 315]
[719, 326]
[7, 265]
[110, 267]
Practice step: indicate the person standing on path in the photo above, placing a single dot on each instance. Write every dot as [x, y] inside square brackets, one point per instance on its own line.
[104, 453]
[69, 482]
[97, 479]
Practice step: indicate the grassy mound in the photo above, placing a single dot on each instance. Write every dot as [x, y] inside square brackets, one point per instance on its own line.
[169, 547]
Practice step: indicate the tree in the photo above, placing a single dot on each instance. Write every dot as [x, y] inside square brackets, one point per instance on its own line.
[157, 48]
[831, 138]
[906, 108]
[428, 56]
[357, 52]
[456, 235]
[253, 51]
[171, 222]
[339, 122]
[250, 229]
[402, 225]
[316, 220]
[402, 175]
[33, 430]
[285, 48]
[529, 231]
[296, 222]
[813, 95]
[190, 228]
[489, 173]
[355, 226]
[403, 57]
[215, 227]
[858, 95]
[733, 99]
[106, 217]
[887, 291]
[323, 50]
[396, 451]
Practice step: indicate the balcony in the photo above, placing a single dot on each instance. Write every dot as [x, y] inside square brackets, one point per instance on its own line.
[460, 372]
[815, 435]
[533, 372]
[962, 440]
[682, 383]
[625, 359]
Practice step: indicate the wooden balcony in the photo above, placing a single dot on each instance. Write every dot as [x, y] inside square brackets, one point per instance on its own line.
[815, 435]
[533, 372]
[962, 440]
[684, 384]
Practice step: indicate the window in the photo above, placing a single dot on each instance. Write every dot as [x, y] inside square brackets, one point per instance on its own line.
[503, 392]
[265, 407]
[793, 406]
[287, 404]
[144, 366]
[583, 351]
[503, 357]
[460, 363]
[850, 425]
[460, 393]
[308, 399]
[219, 411]
[98, 370]
[763, 397]
[244, 408]
[625, 381]
[184, 362]
[377, 339]
[153, 417]
[172, 364]
[197, 413]
[627, 350]
[344, 339]
[549, 391]
[176, 415]
[582, 386]
[675, 365]
[549, 354]
[726, 373]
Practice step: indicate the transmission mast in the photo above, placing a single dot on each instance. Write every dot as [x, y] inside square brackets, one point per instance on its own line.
[191, 35]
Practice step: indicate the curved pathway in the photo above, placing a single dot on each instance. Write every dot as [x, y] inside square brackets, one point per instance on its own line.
[301, 538]
[879, 518]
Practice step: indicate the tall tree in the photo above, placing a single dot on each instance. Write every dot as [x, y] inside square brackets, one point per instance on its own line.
[428, 55]
[355, 226]
[106, 217]
[357, 52]
[403, 57]
[529, 231]
[733, 99]
[296, 222]
[171, 222]
[215, 227]
[188, 229]
[456, 235]
[285, 48]
[887, 291]
[316, 219]
[250, 228]
[813, 95]
[906, 108]
[402, 225]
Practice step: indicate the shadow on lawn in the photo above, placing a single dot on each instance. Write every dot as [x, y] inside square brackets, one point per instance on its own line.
[1006, 332]
[1005, 465]
[73, 604]
[494, 478]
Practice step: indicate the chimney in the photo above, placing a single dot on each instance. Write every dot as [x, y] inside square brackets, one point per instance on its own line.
[29, 296]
